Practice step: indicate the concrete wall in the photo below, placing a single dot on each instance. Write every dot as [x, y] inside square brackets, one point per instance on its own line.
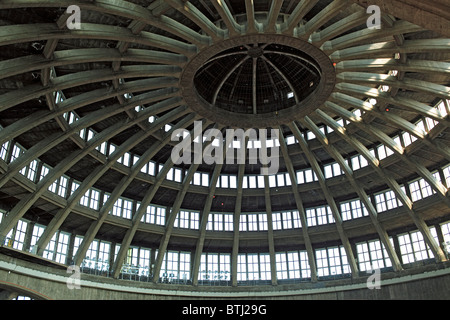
[43, 282]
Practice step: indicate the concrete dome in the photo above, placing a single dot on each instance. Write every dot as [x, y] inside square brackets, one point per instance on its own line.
[357, 123]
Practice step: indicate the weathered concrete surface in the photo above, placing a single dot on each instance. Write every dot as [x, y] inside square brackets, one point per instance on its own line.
[44, 282]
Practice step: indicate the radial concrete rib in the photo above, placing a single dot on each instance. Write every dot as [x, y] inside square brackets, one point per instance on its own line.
[405, 103]
[34, 91]
[53, 140]
[225, 78]
[204, 221]
[48, 51]
[430, 15]
[174, 212]
[367, 35]
[417, 85]
[196, 16]
[395, 187]
[343, 25]
[237, 211]
[333, 9]
[422, 66]
[440, 189]
[387, 49]
[96, 174]
[272, 18]
[16, 34]
[300, 208]
[17, 128]
[252, 24]
[328, 196]
[48, 143]
[302, 8]
[270, 237]
[289, 83]
[146, 201]
[391, 117]
[234, 29]
[363, 196]
[180, 30]
[27, 201]
[119, 189]
[204, 216]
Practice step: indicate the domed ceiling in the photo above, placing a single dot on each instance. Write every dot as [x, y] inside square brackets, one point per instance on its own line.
[98, 104]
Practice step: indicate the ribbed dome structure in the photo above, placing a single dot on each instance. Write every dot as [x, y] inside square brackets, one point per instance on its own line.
[259, 78]
[88, 118]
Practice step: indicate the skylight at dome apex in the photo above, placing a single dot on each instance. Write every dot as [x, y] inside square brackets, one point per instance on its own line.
[358, 117]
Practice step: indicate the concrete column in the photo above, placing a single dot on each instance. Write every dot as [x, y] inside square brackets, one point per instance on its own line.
[152, 262]
[397, 247]
[441, 240]
[111, 255]
[273, 270]
[28, 235]
[70, 249]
